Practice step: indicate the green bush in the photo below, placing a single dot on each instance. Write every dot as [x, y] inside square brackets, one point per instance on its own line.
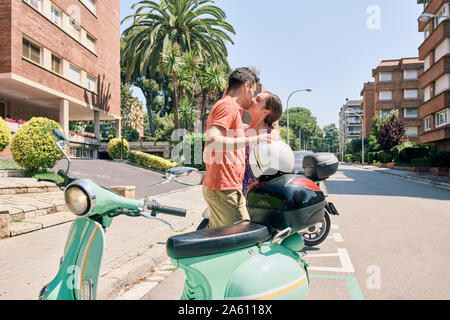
[5, 135]
[348, 158]
[115, 148]
[356, 157]
[151, 161]
[190, 142]
[371, 157]
[33, 146]
[385, 157]
[440, 159]
[407, 154]
[420, 162]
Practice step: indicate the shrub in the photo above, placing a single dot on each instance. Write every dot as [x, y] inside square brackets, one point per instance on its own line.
[407, 154]
[348, 158]
[371, 157]
[385, 157]
[196, 144]
[356, 157]
[5, 135]
[115, 148]
[151, 161]
[440, 159]
[33, 146]
[420, 162]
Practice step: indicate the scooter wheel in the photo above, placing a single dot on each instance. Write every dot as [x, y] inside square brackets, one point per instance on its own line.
[203, 225]
[316, 234]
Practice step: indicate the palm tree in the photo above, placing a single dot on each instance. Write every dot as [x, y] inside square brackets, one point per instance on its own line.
[192, 64]
[193, 25]
[212, 81]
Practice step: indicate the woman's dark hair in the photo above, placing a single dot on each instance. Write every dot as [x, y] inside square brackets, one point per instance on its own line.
[275, 106]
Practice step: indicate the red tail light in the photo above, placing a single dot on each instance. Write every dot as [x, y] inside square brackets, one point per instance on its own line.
[306, 183]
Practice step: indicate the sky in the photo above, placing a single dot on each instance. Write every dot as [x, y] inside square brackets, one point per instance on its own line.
[329, 46]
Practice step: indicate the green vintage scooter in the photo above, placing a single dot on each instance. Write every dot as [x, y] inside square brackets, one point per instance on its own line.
[248, 260]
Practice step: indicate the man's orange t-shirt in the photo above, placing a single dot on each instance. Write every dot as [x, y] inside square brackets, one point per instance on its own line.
[225, 169]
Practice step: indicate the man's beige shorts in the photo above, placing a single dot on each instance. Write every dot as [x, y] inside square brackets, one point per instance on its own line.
[226, 207]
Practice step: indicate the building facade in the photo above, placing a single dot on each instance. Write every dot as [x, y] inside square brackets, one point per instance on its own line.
[368, 107]
[61, 60]
[434, 113]
[350, 125]
[396, 86]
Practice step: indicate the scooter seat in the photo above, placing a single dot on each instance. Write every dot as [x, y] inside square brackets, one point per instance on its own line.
[218, 240]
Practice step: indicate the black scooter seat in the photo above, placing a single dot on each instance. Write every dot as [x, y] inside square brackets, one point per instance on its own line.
[212, 241]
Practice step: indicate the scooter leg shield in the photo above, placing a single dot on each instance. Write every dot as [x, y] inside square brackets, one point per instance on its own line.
[78, 274]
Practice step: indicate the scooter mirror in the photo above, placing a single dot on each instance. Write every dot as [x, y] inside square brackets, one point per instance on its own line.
[59, 135]
[185, 175]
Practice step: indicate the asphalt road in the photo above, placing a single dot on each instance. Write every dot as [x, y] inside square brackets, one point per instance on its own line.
[110, 173]
[396, 234]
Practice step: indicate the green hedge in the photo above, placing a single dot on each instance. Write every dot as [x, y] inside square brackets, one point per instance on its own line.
[348, 158]
[408, 154]
[371, 157]
[385, 157]
[151, 161]
[440, 159]
[5, 135]
[33, 146]
[115, 148]
[420, 162]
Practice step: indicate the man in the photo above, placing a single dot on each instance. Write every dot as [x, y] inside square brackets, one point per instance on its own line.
[224, 153]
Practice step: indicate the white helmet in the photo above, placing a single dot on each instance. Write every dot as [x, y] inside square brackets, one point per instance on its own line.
[270, 158]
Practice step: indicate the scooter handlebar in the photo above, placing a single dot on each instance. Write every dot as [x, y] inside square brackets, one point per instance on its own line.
[156, 207]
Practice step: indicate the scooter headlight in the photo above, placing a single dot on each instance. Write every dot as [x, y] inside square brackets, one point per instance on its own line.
[79, 199]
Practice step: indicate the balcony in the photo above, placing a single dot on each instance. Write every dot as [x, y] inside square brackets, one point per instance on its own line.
[435, 104]
[442, 32]
[437, 70]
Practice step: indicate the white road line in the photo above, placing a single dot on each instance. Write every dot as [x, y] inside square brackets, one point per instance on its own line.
[337, 237]
[334, 226]
[344, 258]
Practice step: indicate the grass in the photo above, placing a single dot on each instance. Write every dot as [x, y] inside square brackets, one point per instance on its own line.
[9, 164]
[46, 175]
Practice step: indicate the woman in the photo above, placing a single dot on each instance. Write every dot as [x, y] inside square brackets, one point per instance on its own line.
[266, 110]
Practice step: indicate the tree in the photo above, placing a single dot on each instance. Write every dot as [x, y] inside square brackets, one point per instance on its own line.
[131, 112]
[190, 25]
[300, 118]
[331, 137]
[392, 131]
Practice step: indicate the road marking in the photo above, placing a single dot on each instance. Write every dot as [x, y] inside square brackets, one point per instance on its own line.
[337, 237]
[344, 258]
[352, 284]
[334, 226]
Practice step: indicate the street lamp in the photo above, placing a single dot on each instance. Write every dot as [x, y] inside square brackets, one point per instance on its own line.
[300, 134]
[362, 135]
[287, 110]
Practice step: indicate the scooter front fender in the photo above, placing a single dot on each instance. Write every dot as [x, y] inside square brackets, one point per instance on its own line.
[78, 274]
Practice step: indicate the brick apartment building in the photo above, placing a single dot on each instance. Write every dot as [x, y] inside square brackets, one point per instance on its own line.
[368, 107]
[434, 113]
[396, 86]
[61, 60]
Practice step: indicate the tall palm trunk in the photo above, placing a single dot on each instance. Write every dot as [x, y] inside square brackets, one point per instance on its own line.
[203, 112]
[175, 101]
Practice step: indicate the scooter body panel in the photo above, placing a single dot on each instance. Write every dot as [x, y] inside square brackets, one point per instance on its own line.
[248, 273]
[79, 271]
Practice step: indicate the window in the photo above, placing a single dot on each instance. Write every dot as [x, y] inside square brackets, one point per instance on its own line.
[56, 64]
[31, 51]
[426, 32]
[91, 83]
[90, 42]
[385, 76]
[90, 4]
[440, 16]
[36, 4]
[427, 122]
[74, 74]
[412, 131]
[411, 93]
[385, 95]
[384, 112]
[442, 118]
[56, 16]
[411, 112]
[410, 74]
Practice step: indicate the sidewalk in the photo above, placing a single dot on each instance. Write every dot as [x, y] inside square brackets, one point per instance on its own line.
[439, 181]
[133, 247]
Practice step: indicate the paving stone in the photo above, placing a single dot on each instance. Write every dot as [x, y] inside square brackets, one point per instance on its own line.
[17, 228]
[54, 219]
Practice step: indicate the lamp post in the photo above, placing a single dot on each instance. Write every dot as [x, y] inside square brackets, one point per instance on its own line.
[287, 110]
[362, 139]
[300, 134]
